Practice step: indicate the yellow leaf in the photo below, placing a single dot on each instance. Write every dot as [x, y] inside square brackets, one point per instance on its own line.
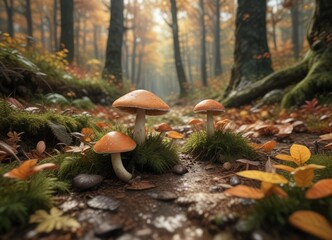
[270, 188]
[284, 167]
[303, 177]
[245, 192]
[300, 153]
[320, 189]
[312, 223]
[285, 157]
[263, 176]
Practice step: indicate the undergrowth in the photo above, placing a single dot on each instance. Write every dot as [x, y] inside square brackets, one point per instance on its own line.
[222, 147]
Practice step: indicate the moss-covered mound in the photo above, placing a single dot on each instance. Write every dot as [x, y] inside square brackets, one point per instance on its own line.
[222, 147]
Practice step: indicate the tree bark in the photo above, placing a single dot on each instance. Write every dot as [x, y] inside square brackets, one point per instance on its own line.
[252, 59]
[67, 27]
[28, 17]
[295, 28]
[113, 63]
[217, 57]
[177, 53]
[312, 75]
[203, 44]
[9, 6]
[55, 24]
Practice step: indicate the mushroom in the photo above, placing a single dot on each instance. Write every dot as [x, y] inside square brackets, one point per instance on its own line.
[247, 162]
[162, 128]
[141, 102]
[115, 143]
[209, 107]
[174, 135]
[196, 124]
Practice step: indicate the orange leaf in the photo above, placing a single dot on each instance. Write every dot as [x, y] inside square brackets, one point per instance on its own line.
[263, 176]
[300, 153]
[269, 146]
[270, 188]
[285, 157]
[23, 171]
[320, 189]
[303, 178]
[284, 167]
[88, 134]
[312, 223]
[245, 192]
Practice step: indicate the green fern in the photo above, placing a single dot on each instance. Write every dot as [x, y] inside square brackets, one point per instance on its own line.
[223, 146]
[154, 155]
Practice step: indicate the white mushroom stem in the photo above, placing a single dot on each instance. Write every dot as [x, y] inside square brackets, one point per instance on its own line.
[139, 129]
[119, 169]
[209, 124]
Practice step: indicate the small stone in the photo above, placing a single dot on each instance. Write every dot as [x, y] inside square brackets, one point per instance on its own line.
[69, 205]
[103, 202]
[216, 188]
[163, 195]
[227, 166]
[224, 235]
[106, 230]
[179, 169]
[143, 232]
[84, 182]
[234, 180]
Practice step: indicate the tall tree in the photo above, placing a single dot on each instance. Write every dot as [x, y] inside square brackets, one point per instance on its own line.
[28, 16]
[113, 62]
[177, 53]
[203, 43]
[311, 76]
[9, 6]
[295, 14]
[217, 57]
[67, 27]
[55, 24]
[252, 60]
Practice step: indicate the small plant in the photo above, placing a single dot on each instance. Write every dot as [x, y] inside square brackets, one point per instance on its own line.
[221, 147]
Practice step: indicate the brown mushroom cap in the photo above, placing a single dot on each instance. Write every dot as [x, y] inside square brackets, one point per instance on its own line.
[114, 142]
[174, 134]
[209, 105]
[141, 99]
[163, 127]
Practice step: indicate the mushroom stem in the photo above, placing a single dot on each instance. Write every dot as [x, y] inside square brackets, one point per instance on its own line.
[209, 124]
[119, 169]
[139, 129]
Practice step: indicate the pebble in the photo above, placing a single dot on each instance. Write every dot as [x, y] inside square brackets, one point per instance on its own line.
[104, 203]
[179, 169]
[106, 230]
[84, 182]
[216, 188]
[234, 180]
[163, 195]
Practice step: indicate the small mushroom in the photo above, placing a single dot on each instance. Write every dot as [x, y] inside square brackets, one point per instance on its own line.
[209, 107]
[115, 143]
[196, 124]
[162, 128]
[174, 135]
[247, 162]
[141, 102]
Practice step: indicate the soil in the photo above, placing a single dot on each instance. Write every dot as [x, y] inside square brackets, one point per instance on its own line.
[199, 198]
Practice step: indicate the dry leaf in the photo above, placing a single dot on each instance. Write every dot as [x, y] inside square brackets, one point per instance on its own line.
[320, 189]
[303, 178]
[245, 192]
[312, 223]
[140, 185]
[284, 167]
[263, 176]
[326, 137]
[53, 221]
[88, 134]
[284, 131]
[300, 153]
[269, 146]
[270, 189]
[285, 157]
[8, 149]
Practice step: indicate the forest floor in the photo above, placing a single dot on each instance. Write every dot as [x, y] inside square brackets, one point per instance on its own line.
[178, 205]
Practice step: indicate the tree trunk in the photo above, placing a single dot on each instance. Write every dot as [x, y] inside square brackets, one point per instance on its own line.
[96, 30]
[217, 57]
[113, 63]
[295, 28]
[203, 44]
[28, 17]
[252, 60]
[177, 53]
[55, 24]
[312, 75]
[133, 59]
[9, 5]
[67, 27]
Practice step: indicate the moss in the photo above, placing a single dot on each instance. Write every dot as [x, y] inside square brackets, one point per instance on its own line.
[325, 160]
[222, 147]
[317, 82]
[155, 155]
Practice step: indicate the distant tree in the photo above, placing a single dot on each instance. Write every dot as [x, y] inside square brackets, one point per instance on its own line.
[216, 35]
[113, 62]
[177, 52]
[28, 16]
[311, 76]
[55, 24]
[203, 43]
[9, 6]
[67, 27]
[252, 60]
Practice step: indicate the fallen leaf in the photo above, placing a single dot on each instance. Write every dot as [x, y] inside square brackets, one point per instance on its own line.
[140, 185]
[23, 171]
[312, 223]
[284, 167]
[245, 192]
[303, 178]
[88, 134]
[320, 189]
[300, 153]
[263, 176]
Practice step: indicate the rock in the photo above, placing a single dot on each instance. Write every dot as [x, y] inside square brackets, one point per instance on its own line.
[84, 182]
[179, 169]
[56, 98]
[104, 203]
[163, 195]
[224, 235]
[227, 166]
[127, 236]
[216, 188]
[106, 230]
[273, 96]
[234, 180]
